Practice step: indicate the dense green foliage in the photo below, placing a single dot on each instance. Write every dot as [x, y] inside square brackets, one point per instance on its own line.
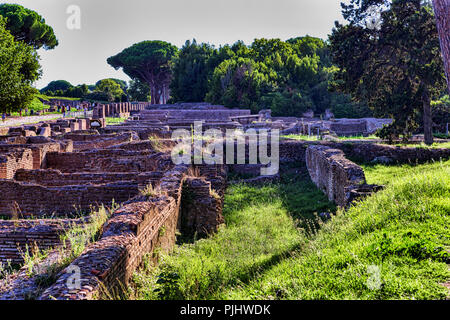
[288, 77]
[110, 89]
[105, 90]
[139, 91]
[262, 228]
[28, 26]
[19, 68]
[150, 62]
[395, 64]
[57, 86]
[392, 245]
[192, 68]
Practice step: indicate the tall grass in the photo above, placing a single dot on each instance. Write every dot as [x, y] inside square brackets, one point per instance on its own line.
[397, 239]
[392, 245]
[260, 231]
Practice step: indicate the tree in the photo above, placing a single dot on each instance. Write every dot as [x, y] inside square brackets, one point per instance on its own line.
[150, 62]
[394, 65]
[122, 83]
[191, 72]
[110, 88]
[19, 68]
[442, 13]
[239, 82]
[288, 77]
[28, 26]
[57, 85]
[139, 91]
[77, 92]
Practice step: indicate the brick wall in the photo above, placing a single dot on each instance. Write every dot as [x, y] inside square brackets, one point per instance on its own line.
[132, 231]
[24, 199]
[18, 236]
[108, 160]
[333, 173]
[14, 160]
[51, 177]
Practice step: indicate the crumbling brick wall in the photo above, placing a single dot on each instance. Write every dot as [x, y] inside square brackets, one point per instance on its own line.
[19, 236]
[333, 173]
[54, 178]
[23, 200]
[19, 158]
[201, 212]
[134, 230]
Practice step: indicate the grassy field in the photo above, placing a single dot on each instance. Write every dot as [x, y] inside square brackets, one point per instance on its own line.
[440, 145]
[264, 225]
[113, 121]
[393, 245]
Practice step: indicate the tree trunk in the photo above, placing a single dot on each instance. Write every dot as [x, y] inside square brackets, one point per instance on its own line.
[442, 14]
[427, 120]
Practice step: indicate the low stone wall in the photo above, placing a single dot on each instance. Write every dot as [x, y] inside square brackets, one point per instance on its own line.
[14, 160]
[293, 150]
[23, 199]
[90, 142]
[134, 230]
[15, 157]
[370, 152]
[201, 208]
[19, 236]
[54, 178]
[108, 160]
[335, 175]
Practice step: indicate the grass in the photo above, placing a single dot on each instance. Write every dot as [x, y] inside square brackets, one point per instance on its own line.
[300, 137]
[392, 245]
[436, 145]
[264, 225]
[149, 191]
[112, 121]
[75, 240]
[371, 137]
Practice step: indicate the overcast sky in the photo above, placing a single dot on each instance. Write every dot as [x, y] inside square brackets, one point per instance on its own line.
[109, 26]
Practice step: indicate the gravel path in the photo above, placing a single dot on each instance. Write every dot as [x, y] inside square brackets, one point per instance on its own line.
[28, 120]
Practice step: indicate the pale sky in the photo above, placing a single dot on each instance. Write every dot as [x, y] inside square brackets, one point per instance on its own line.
[109, 26]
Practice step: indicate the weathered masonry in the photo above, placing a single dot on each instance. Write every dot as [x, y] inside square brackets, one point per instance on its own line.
[54, 175]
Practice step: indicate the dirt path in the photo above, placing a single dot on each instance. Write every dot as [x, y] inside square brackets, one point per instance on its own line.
[12, 122]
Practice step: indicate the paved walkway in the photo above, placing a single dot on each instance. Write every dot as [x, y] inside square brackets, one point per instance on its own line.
[28, 120]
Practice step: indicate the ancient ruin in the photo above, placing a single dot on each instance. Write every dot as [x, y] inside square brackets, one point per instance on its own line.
[54, 176]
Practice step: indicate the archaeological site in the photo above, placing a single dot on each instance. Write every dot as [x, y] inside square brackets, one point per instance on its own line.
[224, 159]
[60, 176]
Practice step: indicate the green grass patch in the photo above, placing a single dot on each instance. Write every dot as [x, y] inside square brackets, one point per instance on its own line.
[300, 137]
[392, 245]
[264, 225]
[436, 145]
[113, 121]
[371, 137]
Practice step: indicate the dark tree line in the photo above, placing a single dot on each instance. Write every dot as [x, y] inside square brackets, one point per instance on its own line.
[389, 55]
